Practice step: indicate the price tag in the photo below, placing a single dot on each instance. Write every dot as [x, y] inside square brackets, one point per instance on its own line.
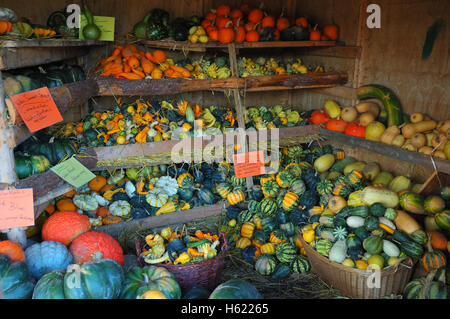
[73, 172]
[105, 24]
[249, 164]
[16, 208]
[37, 108]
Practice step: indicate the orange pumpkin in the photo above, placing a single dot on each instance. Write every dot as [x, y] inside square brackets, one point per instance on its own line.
[314, 35]
[276, 35]
[438, 240]
[252, 36]
[12, 249]
[268, 21]
[213, 34]
[97, 183]
[223, 22]
[236, 13]
[239, 34]
[211, 16]
[238, 22]
[159, 56]
[302, 21]
[110, 220]
[282, 23]
[331, 31]
[50, 209]
[70, 193]
[107, 187]
[226, 35]
[66, 204]
[102, 211]
[65, 226]
[249, 26]
[255, 15]
[206, 23]
[245, 8]
[223, 10]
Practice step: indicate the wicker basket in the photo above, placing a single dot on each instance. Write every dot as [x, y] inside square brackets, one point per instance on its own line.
[205, 273]
[353, 282]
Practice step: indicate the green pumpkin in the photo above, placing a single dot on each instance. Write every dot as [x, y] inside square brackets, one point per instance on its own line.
[270, 189]
[268, 224]
[265, 264]
[371, 223]
[324, 187]
[288, 228]
[377, 209]
[412, 202]
[353, 242]
[244, 216]
[139, 280]
[300, 264]
[419, 288]
[235, 289]
[30, 165]
[285, 252]
[361, 232]
[282, 270]
[419, 236]
[399, 236]
[206, 196]
[373, 245]
[361, 211]
[14, 279]
[253, 206]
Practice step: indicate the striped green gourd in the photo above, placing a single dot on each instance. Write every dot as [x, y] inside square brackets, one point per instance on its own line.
[285, 252]
[265, 264]
[270, 189]
[323, 246]
[268, 207]
[244, 216]
[412, 249]
[324, 187]
[300, 264]
[253, 206]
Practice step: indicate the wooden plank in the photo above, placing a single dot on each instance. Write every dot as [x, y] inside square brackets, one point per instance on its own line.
[202, 47]
[65, 96]
[442, 165]
[433, 184]
[135, 225]
[49, 185]
[111, 86]
[48, 43]
[337, 91]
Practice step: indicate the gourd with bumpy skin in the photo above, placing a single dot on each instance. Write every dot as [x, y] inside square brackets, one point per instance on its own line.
[120, 208]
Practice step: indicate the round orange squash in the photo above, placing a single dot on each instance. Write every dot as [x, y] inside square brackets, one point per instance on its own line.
[92, 245]
[12, 249]
[65, 226]
[66, 205]
[97, 183]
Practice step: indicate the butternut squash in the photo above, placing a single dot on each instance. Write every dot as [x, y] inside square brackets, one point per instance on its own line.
[425, 150]
[398, 141]
[410, 129]
[418, 140]
[371, 107]
[439, 141]
[366, 118]
[444, 127]
[389, 134]
[416, 117]
[405, 222]
[408, 146]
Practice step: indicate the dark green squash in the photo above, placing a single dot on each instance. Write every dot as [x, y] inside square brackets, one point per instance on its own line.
[14, 279]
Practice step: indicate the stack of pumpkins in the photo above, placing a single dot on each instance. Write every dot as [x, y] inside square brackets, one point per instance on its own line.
[227, 25]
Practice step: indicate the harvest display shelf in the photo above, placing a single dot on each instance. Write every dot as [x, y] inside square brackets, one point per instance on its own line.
[135, 225]
[48, 185]
[441, 165]
[202, 47]
[16, 54]
[76, 94]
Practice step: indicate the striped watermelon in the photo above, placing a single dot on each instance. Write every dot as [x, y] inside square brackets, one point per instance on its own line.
[300, 264]
[285, 252]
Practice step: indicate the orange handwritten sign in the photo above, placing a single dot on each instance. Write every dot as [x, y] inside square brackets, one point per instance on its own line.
[37, 108]
[16, 208]
[249, 164]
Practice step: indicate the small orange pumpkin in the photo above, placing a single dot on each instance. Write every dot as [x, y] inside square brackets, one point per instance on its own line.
[102, 211]
[12, 250]
[223, 10]
[239, 34]
[255, 15]
[268, 21]
[282, 23]
[66, 205]
[226, 34]
[252, 36]
[331, 31]
[314, 35]
[97, 183]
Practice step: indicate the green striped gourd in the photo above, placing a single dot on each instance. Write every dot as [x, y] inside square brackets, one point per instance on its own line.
[285, 252]
[270, 189]
[323, 246]
[324, 187]
[223, 189]
[244, 216]
[300, 264]
[265, 264]
[267, 207]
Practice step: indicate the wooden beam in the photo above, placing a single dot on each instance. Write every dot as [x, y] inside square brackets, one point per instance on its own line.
[135, 225]
[417, 158]
[65, 96]
[341, 51]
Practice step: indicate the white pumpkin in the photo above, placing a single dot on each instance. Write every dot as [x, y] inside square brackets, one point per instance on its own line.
[130, 189]
[338, 252]
[168, 184]
[120, 208]
[87, 203]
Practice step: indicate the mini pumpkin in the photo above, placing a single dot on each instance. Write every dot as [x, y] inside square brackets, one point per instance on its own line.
[85, 202]
[120, 208]
[157, 197]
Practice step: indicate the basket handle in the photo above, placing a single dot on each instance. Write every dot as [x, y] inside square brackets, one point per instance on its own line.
[224, 247]
[409, 263]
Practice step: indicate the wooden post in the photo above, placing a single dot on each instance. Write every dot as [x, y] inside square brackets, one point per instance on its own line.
[242, 141]
[7, 167]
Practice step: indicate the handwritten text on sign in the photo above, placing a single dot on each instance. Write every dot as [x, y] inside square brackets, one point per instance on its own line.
[37, 108]
[16, 208]
[249, 164]
[73, 172]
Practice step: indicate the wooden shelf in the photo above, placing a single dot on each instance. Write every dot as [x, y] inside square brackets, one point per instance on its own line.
[135, 225]
[202, 47]
[16, 54]
[398, 153]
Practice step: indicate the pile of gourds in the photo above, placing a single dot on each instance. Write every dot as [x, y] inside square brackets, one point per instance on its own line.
[270, 66]
[416, 132]
[172, 247]
[207, 69]
[273, 117]
[23, 28]
[128, 62]
[245, 24]
[147, 121]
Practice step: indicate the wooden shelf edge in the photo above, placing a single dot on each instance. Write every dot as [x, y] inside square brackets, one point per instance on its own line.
[48, 43]
[202, 47]
[398, 153]
[134, 225]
